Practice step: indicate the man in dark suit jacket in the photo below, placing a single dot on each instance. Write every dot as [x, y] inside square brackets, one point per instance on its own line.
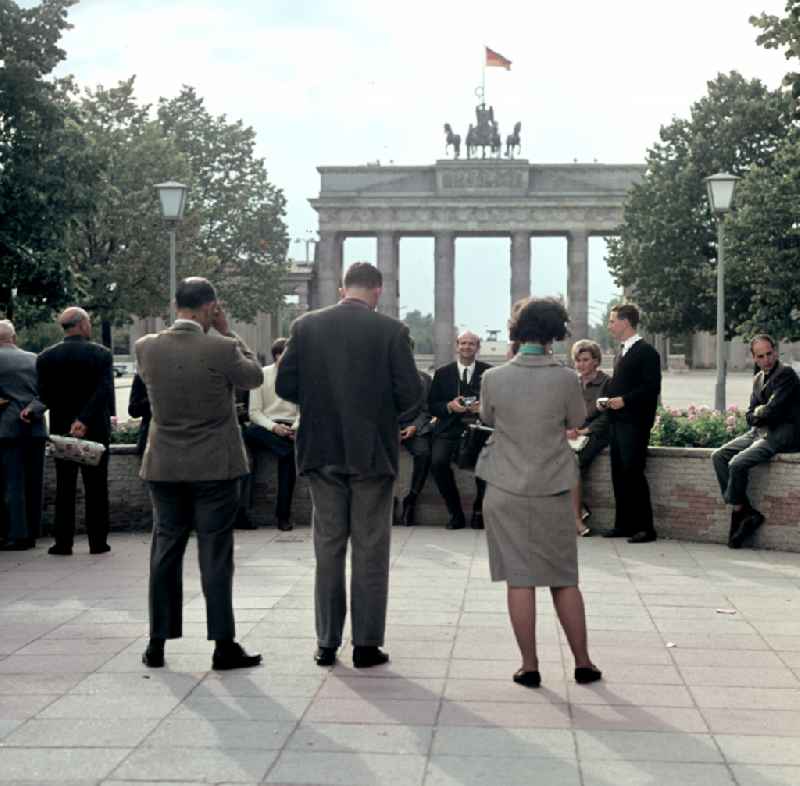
[632, 400]
[774, 417]
[351, 371]
[76, 383]
[454, 402]
[22, 437]
[193, 463]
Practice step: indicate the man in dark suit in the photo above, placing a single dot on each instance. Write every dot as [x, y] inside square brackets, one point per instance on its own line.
[774, 418]
[351, 371]
[454, 402]
[632, 400]
[193, 463]
[22, 437]
[76, 383]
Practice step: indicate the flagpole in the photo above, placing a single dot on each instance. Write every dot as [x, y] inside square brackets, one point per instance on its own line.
[483, 78]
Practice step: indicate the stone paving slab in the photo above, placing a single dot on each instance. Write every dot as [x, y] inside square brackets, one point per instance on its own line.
[700, 648]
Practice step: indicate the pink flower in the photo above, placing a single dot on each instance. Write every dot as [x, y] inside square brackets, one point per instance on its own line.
[732, 408]
[730, 421]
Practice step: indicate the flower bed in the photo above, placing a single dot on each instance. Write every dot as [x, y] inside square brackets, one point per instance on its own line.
[696, 427]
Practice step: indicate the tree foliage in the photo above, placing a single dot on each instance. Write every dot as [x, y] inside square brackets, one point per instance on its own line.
[782, 33]
[421, 328]
[666, 247]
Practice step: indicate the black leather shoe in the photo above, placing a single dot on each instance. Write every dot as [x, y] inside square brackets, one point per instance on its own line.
[233, 656]
[325, 656]
[586, 674]
[530, 679]
[364, 657]
[243, 521]
[18, 544]
[747, 528]
[476, 522]
[61, 551]
[153, 656]
[409, 515]
[284, 525]
[456, 522]
[645, 536]
[615, 533]
[103, 549]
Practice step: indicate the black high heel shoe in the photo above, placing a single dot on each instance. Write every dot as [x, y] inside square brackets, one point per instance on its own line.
[530, 679]
[586, 674]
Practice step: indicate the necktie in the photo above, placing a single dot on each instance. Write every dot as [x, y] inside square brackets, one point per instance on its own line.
[464, 380]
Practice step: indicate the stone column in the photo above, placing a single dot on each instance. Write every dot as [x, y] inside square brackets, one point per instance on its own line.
[520, 265]
[578, 283]
[387, 264]
[329, 268]
[444, 298]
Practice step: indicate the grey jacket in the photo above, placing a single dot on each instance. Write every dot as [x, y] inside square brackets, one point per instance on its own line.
[18, 386]
[190, 378]
[530, 401]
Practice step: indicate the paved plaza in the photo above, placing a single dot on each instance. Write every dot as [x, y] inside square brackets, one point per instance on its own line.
[700, 648]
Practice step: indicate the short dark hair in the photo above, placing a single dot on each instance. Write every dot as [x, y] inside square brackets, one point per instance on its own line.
[363, 274]
[278, 346]
[629, 312]
[541, 320]
[194, 292]
[763, 337]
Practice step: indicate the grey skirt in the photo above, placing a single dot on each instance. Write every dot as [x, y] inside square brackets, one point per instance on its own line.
[531, 540]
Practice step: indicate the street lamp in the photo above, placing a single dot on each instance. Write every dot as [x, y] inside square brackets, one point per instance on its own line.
[720, 196]
[172, 196]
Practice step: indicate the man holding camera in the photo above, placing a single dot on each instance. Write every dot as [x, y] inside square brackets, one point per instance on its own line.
[453, 401]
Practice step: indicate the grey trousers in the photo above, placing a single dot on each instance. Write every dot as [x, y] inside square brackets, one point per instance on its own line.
[359, 509]
[733, 462]
[21, 475]
[209, 508]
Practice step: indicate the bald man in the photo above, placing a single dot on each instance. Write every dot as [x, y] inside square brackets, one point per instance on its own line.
[76, 383]
[22, 438]
[454, 402]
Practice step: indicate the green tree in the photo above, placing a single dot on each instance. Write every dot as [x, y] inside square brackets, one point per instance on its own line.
[782, 32]
[666, 247]
[46, 175]
[421, 328]
[241, 239]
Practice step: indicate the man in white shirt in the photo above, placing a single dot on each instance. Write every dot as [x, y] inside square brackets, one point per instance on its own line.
[272, 427]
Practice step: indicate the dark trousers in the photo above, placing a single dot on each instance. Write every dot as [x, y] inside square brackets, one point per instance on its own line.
[209, 508]
[358, 509]
[592, 449]
[21, 474]
[628, 443]
[258, 438]
[443, 451]
[420, 449]
[733, 462]
[95, 486]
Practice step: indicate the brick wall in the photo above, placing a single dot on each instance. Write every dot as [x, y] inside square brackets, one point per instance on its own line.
[684, 490]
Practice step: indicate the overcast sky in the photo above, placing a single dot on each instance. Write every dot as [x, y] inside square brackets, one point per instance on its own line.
[353, 81]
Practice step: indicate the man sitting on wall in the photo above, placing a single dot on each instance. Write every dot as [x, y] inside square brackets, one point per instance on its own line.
[774, 417]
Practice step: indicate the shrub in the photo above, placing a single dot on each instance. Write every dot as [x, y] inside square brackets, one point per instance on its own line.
[696, 427]
[125, 433]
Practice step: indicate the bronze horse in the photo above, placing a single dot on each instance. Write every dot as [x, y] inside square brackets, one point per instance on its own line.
[513, 141]
[452, 139]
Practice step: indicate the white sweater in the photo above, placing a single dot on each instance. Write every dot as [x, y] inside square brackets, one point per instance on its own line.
[265, 406]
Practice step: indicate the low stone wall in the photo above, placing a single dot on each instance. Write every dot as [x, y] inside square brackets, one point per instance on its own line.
[685, 495]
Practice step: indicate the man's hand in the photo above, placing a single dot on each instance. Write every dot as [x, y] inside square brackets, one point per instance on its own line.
[475, 408]
[572, 433]
[616, 403]
[4, 402]
[456, 406]
[26, 416]
[407, 433]
[220, 321]
[77, 429]
[283, 431]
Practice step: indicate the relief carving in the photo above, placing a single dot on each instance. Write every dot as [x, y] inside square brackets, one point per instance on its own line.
[496, 177]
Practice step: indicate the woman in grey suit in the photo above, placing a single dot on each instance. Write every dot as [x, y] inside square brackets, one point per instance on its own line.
[530, 469]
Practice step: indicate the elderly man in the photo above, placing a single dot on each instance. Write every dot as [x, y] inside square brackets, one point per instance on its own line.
[454, 402]
[76, 383]
[193, 464]
[352, 373]
[774, 417]
[22, 437]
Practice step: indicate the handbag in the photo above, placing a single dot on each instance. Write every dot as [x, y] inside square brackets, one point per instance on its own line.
[470, 444]
[81, 451]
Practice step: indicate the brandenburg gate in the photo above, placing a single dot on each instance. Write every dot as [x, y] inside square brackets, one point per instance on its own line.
[468, 198]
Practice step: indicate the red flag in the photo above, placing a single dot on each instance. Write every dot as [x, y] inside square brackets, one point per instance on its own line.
[497, 60]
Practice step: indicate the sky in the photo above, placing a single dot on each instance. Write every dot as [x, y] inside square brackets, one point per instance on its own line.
[357, 81]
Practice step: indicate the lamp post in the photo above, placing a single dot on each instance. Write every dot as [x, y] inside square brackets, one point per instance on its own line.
[172, 196]
[720, 196]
